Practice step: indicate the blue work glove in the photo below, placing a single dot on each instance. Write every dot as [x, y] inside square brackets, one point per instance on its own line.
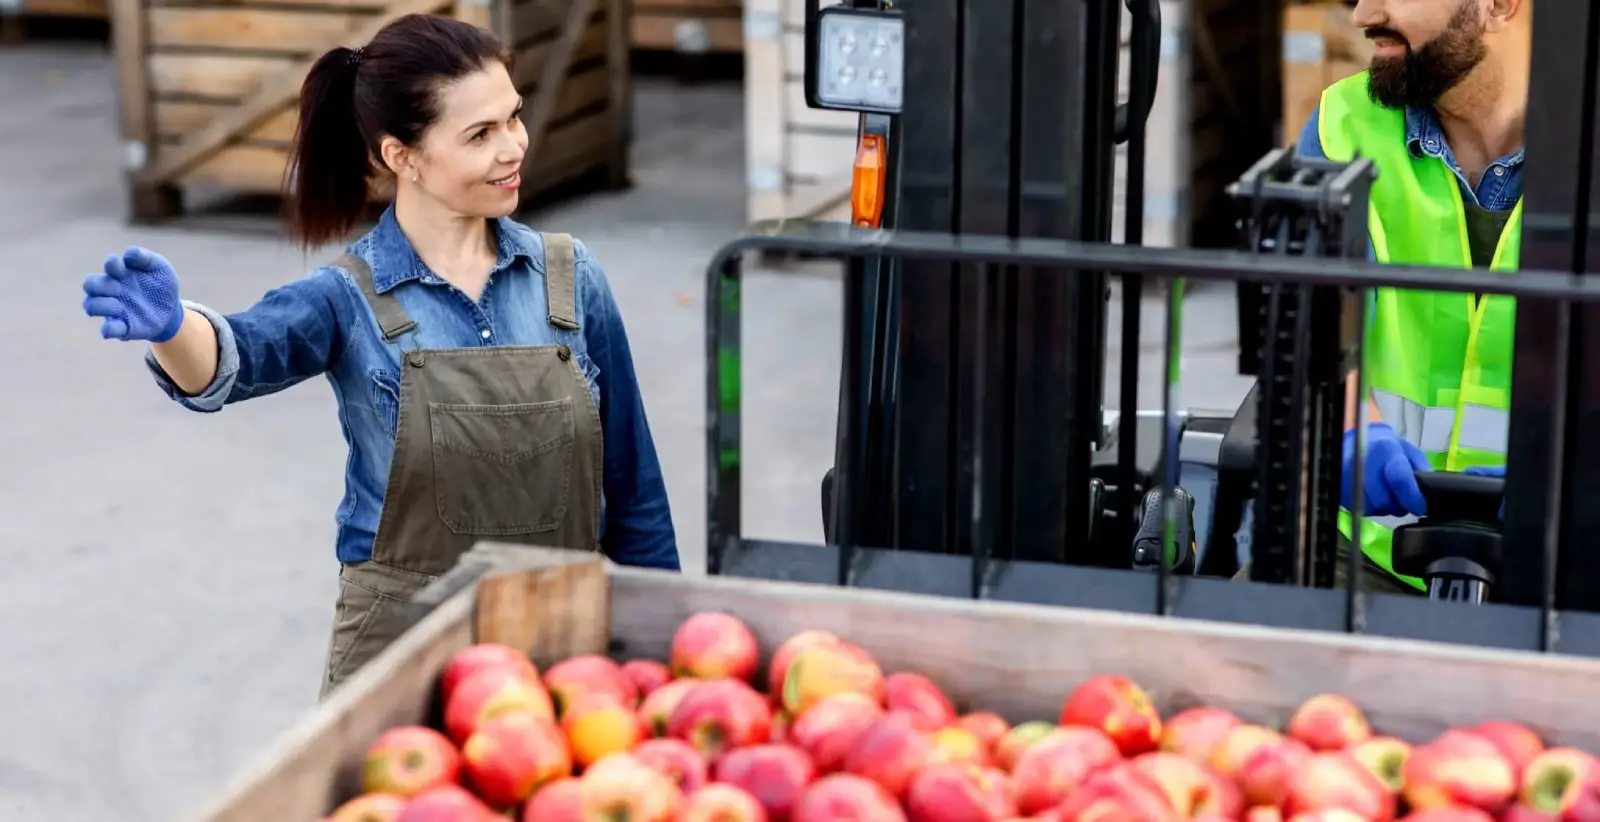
[137, 296]
[1390, 484]
[1490, 471]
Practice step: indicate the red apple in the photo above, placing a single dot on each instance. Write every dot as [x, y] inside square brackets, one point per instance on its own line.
[1461, 813]
[844, 797]
[828, 669]
[482, 657]
[778, 734]
[1517, 742]
[778, 670]
[1192, 789]
[1328, 815]
[960, 746]
[511, 756]
[1459, 768]
[1518, 812]
[622, 787]
[1019, 739]
[490, 693]
[1337, 780]
[775, 775]
[1555, 781]
[890, 753]
[989, 726]
[409, 760]
[1329, 722]
[709, 645]
[1050, 769]
[1117, 707]
[371, 807]
[829, 731]
[722, 803]
[677, 760]
[1384, 757]
[657, 708]
[447, 803]
[557, 801]
[1120, 792]
[1196, 732]
[576, 677]
[647, 674]
[957, 793]
[1238, 745]
[918, 696]
[719, 714]
[1272, 770]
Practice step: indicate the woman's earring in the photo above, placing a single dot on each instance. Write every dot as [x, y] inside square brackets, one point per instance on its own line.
[413, 176]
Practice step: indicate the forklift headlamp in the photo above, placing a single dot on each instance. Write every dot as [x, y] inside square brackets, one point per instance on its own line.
[857, 62]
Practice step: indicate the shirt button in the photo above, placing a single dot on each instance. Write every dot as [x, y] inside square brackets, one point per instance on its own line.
[1499, 171]
[486, 333]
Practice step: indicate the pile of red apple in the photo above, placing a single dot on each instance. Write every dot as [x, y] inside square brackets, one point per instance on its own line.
[834, 739]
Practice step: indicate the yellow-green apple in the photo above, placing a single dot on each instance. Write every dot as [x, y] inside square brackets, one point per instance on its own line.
[573, 678]
[1196, 732]
[960, 746]
[1329, 722]
[778, 669]
[675, 758]
[447, 803]
[775, 775]
[1119, 708]
[1336, 780]
[511, 756]
[597, 725]
[409, 760]
[1051, 768]
[1385, 757]
[622, 787]
[718, 714]
[827, 669]
[482, 657]
[1193, 789]
[1556, 781]
[844, 797]
[1120, 792]
[656, 709]
[890, 752]
[1270, 772]
[1459, 768]
[557, 801]
[491, 693]
[371, 807]
[829, 731]
[1238, 745]
[711, 644]
[1019, 739]
[717, 802]
[647, 675]
[918, 696]
[1517, 742]
[947, 792]
[988, 725]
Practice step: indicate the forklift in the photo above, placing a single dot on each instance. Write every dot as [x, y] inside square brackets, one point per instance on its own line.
[975, 455]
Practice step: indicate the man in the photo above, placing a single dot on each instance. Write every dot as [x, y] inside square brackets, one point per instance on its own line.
[1440, 112]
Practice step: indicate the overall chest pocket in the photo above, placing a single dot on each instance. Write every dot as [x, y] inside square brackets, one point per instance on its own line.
[502, 469]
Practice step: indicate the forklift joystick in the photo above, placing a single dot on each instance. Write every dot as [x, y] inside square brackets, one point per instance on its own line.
[1147, 540]
[1456, 548]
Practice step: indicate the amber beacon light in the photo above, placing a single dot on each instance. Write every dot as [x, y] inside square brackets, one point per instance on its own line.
[867, 182]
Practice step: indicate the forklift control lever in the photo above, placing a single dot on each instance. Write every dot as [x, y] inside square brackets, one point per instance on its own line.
[1147, 540]
[1456, 548]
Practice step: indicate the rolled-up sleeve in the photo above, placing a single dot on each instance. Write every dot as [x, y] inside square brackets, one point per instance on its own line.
[294, 333]
[638, 528]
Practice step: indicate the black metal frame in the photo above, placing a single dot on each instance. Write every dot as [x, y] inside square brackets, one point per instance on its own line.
[981, 575]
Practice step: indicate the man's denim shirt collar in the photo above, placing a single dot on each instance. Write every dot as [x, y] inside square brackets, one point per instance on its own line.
[1501, 185]
[396, 262]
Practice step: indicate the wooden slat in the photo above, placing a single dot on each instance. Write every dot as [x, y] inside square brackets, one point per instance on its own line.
[257, 169]
[175, 119]
[568, 151]
[582, 91]
[764, 128]
[690, 8]
[726, 34]
[85, 9]
[532, 19]
[530, 60]
[553, 74]
[264, 29]
[799, 114]
[813, 156]
[211, 75]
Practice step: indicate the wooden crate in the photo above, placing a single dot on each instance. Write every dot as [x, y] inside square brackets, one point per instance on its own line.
[797, 159]
[688, 26]
[1320, 47]
[209, 88]
[1019, 660]
[15, 15]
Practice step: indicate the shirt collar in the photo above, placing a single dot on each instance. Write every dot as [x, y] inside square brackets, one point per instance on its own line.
[395, 262]
[1425, 138]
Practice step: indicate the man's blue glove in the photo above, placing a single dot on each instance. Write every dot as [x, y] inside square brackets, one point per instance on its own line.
[1490, 471]
[1390, 484]
[137, 296]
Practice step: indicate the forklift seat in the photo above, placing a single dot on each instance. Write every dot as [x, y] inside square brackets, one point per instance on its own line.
[1236, 469]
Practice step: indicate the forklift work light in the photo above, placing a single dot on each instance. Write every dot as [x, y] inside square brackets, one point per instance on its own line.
[858, 61]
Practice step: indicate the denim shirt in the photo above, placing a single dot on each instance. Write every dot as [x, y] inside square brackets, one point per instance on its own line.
[321, 324]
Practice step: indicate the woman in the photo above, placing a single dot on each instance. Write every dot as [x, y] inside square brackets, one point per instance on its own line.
[484, 381]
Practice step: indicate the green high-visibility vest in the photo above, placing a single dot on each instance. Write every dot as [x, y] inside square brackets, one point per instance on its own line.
[1439, 363]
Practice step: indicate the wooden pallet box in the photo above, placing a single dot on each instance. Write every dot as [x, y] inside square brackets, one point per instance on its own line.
[1019, 660]
[1320, 47]
[209, 90]
[688, 26]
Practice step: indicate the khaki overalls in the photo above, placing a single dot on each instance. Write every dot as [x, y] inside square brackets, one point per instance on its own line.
[495, 443]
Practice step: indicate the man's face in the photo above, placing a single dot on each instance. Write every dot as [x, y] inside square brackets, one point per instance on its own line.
[1422, 48]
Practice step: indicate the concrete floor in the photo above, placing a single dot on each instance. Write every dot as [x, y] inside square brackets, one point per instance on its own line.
[168, 577]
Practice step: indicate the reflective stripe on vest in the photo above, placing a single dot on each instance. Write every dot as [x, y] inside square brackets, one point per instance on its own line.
[1439, 363]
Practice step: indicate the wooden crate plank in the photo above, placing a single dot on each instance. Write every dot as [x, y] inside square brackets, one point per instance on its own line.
[256, 169]
[765, 176]
[690, 8]
[175, 119]
[211, 75]
[725, 34]
[533, 20]
[584, 90]
[85, 9]
[569, 150]
[531, 59]
[800, 114]
[262, 29]
[820, 156]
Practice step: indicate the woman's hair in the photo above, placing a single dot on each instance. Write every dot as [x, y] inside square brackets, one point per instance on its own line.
[353, 98]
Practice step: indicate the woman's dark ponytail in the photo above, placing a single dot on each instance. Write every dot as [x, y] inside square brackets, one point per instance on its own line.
[326, 181]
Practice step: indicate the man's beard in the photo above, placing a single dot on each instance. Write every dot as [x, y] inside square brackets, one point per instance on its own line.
[1422, 76]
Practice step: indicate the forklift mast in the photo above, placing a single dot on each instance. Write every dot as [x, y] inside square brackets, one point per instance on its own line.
[975, 457]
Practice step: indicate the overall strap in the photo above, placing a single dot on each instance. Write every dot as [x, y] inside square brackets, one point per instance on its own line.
[560, 289]
[392, 318]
